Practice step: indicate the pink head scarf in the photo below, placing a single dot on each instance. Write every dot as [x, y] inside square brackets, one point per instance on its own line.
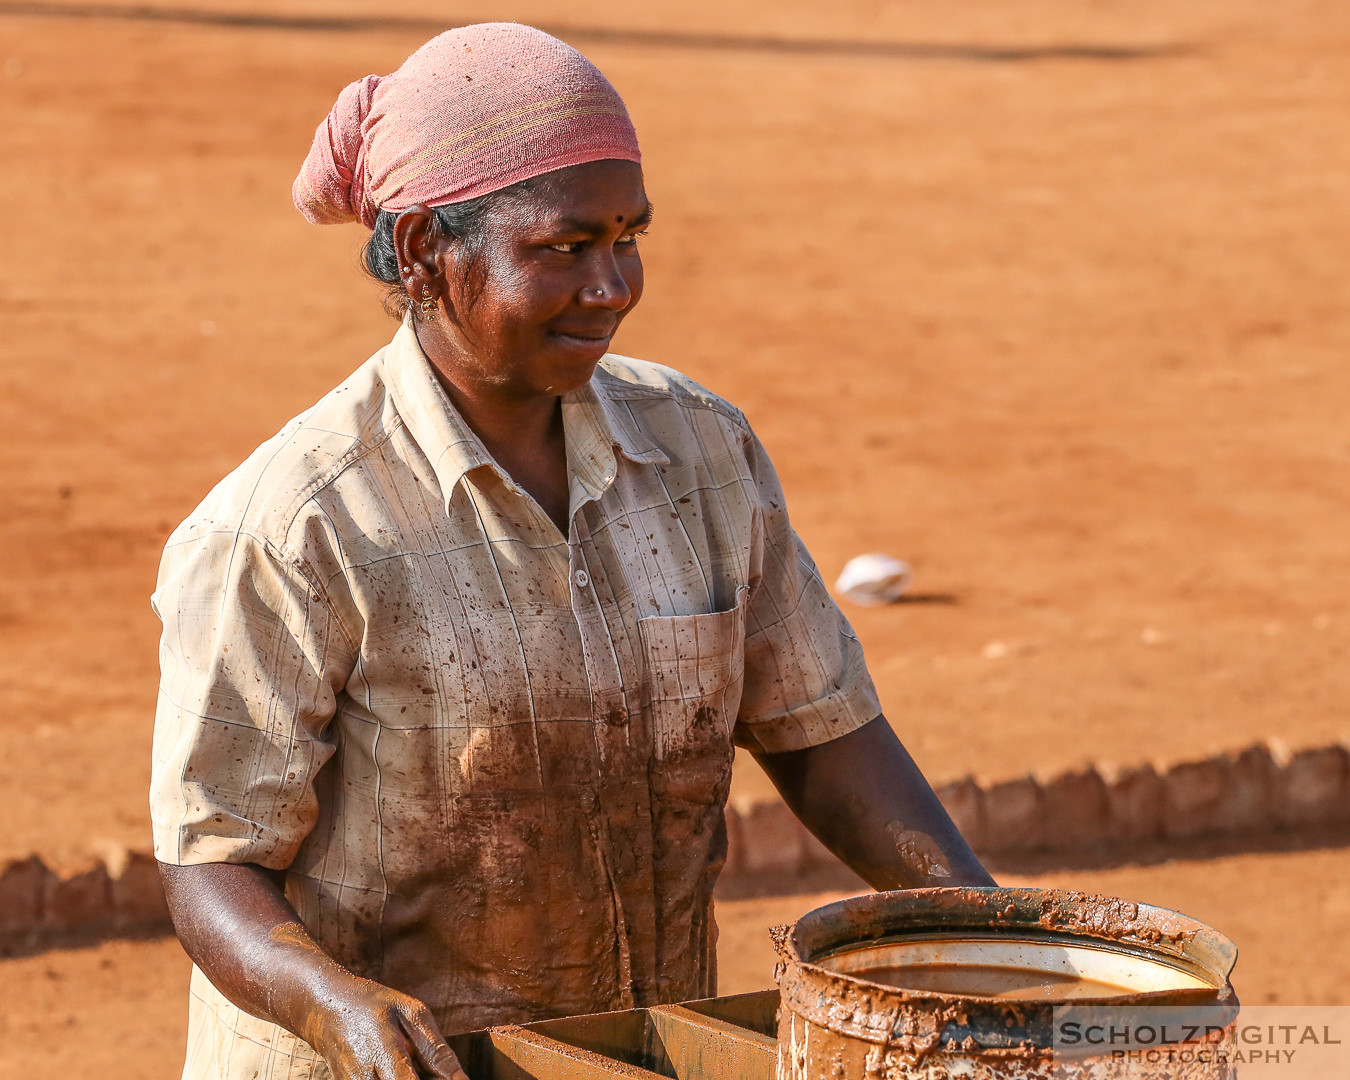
[473, 110]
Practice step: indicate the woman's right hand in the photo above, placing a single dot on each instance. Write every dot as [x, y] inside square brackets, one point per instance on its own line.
[365, 1031]
[237, 926]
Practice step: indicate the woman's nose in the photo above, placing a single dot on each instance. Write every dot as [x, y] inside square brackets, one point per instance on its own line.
[608, 289]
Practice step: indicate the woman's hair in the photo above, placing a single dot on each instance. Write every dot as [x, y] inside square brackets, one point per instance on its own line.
[464, 221]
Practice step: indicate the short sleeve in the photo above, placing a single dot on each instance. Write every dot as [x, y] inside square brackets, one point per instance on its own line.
[251, 662]
[806, 682]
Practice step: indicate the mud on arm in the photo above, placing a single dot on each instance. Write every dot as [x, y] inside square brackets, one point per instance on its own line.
[864, 798]
[237, 926]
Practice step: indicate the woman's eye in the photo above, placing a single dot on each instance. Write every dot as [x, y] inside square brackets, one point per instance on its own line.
[574, 247]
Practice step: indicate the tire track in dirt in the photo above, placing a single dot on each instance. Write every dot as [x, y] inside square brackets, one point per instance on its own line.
[338, 24]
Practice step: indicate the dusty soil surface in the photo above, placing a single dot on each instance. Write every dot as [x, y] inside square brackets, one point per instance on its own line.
[1045, 298]
[117, 1010]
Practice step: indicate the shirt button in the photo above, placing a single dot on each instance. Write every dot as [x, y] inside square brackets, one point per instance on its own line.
[581, 578]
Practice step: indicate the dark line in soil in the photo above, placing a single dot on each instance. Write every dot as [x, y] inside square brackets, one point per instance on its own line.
[1154, 852]
[336, 24]
[838, 878]
[40, 941]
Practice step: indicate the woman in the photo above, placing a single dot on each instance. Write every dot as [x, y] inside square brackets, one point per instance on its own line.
[453, 666]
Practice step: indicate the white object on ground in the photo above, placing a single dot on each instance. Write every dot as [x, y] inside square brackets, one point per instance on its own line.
[873, 579]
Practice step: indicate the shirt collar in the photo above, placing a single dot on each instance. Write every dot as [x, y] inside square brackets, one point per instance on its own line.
[594, 422]
[427, 412]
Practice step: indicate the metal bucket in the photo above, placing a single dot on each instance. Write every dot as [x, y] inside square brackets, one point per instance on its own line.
[941, 984]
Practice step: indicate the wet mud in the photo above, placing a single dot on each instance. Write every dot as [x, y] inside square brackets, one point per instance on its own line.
[1110, 918]
[873, 1027]
[920, 852]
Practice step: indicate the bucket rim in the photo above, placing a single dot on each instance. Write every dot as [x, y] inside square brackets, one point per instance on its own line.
[917, 1021]
[1065, 915]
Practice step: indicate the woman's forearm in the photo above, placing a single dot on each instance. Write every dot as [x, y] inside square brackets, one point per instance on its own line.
[238, 927]
[866, 800]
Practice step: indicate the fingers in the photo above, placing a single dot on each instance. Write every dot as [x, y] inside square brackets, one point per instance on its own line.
[377, 1045]
[431, 1049]
[396, 1059]
[399, 1067]
[440, 1062]
[392, 1061]
[387, 1035]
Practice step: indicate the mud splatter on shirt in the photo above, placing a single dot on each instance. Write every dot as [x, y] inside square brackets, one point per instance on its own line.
[492, 758]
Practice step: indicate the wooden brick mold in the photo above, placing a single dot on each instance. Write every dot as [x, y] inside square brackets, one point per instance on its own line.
[1252, 791]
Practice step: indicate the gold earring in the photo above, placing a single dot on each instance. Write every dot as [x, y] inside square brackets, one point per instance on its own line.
[428, 303]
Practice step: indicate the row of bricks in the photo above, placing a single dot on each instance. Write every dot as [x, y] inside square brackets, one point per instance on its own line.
[121, 895]
[1255, 790]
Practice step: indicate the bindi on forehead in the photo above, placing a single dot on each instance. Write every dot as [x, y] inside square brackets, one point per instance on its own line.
[584, 224]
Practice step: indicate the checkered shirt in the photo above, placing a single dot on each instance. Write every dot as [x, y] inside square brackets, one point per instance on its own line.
[492, 759]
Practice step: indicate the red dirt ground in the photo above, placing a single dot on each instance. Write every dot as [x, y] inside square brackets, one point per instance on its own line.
[1065, 330]
[1068, 334]
[118, 1010]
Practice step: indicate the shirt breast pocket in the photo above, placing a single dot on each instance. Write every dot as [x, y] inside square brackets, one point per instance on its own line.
[692, 694]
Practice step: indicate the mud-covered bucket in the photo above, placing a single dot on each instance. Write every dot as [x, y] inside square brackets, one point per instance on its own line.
[976, 984]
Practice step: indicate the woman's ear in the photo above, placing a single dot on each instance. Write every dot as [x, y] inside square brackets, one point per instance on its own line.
[416, 239]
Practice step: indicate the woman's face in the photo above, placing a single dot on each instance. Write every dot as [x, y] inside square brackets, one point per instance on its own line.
[556, 272]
